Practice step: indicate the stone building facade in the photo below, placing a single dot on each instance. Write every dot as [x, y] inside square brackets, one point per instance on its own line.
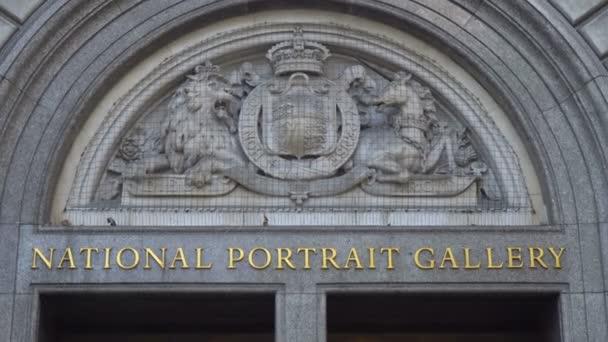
[362, 170]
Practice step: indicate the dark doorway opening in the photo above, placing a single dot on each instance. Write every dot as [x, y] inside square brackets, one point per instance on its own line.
[442, 318]
[157, 317]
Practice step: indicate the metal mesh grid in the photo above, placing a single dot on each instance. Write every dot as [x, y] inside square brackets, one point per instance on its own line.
[303, 126]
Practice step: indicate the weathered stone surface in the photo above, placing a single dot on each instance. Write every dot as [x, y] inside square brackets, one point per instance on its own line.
[6, 29]
[574, 10]
[9, 246]
[10, 206]
[20, 8]
[597, 323]
[603, 232]
[10, 94]
[591, 257]
[301, 316]
[580, 273]
[587, 128]
[518, 61]
[595, 32]
[44, 45]
[530, 100]
[23, 318]
[6, 316]
[561, 41]
[576, 325]
[580, 182]
[27, 33]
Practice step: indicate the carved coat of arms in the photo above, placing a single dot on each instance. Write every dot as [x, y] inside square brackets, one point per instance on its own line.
[299, 125]
[298, 134]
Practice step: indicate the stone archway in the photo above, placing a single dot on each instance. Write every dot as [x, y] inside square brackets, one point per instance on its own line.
[544, 76]
[458, 119]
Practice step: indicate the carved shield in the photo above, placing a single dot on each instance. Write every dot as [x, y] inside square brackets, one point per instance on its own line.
[296, 128]
[299, 121]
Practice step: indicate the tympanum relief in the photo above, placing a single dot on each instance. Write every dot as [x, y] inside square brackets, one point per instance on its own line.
[298, 133]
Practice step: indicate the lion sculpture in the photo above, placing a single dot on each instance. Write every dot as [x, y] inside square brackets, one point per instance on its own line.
[197, 135]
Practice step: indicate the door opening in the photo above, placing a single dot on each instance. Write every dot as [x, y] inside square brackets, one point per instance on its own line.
[157, 317]
[442, 318]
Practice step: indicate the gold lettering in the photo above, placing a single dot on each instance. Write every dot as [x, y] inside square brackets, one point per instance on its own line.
[67, 257]
[431, 264]
[372, 258]
[491, 266]
[537, 258]
[252, 258]
[89, 250]
[199, 261]
[389, 256]
[233, 258]
[448, 256]
[307, 252]
[47, 261]
[106, 264]
[179, 257]
[160, 261]
[467, 261]
[329, 257]
[424, 258]
[353, 256]
[119, 260]
[284, 258]
[557, 256]
[511, 253]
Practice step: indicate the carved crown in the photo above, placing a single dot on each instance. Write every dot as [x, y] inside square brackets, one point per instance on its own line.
[298, 55]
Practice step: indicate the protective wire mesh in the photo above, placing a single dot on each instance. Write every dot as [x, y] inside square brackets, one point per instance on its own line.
[300, 126]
